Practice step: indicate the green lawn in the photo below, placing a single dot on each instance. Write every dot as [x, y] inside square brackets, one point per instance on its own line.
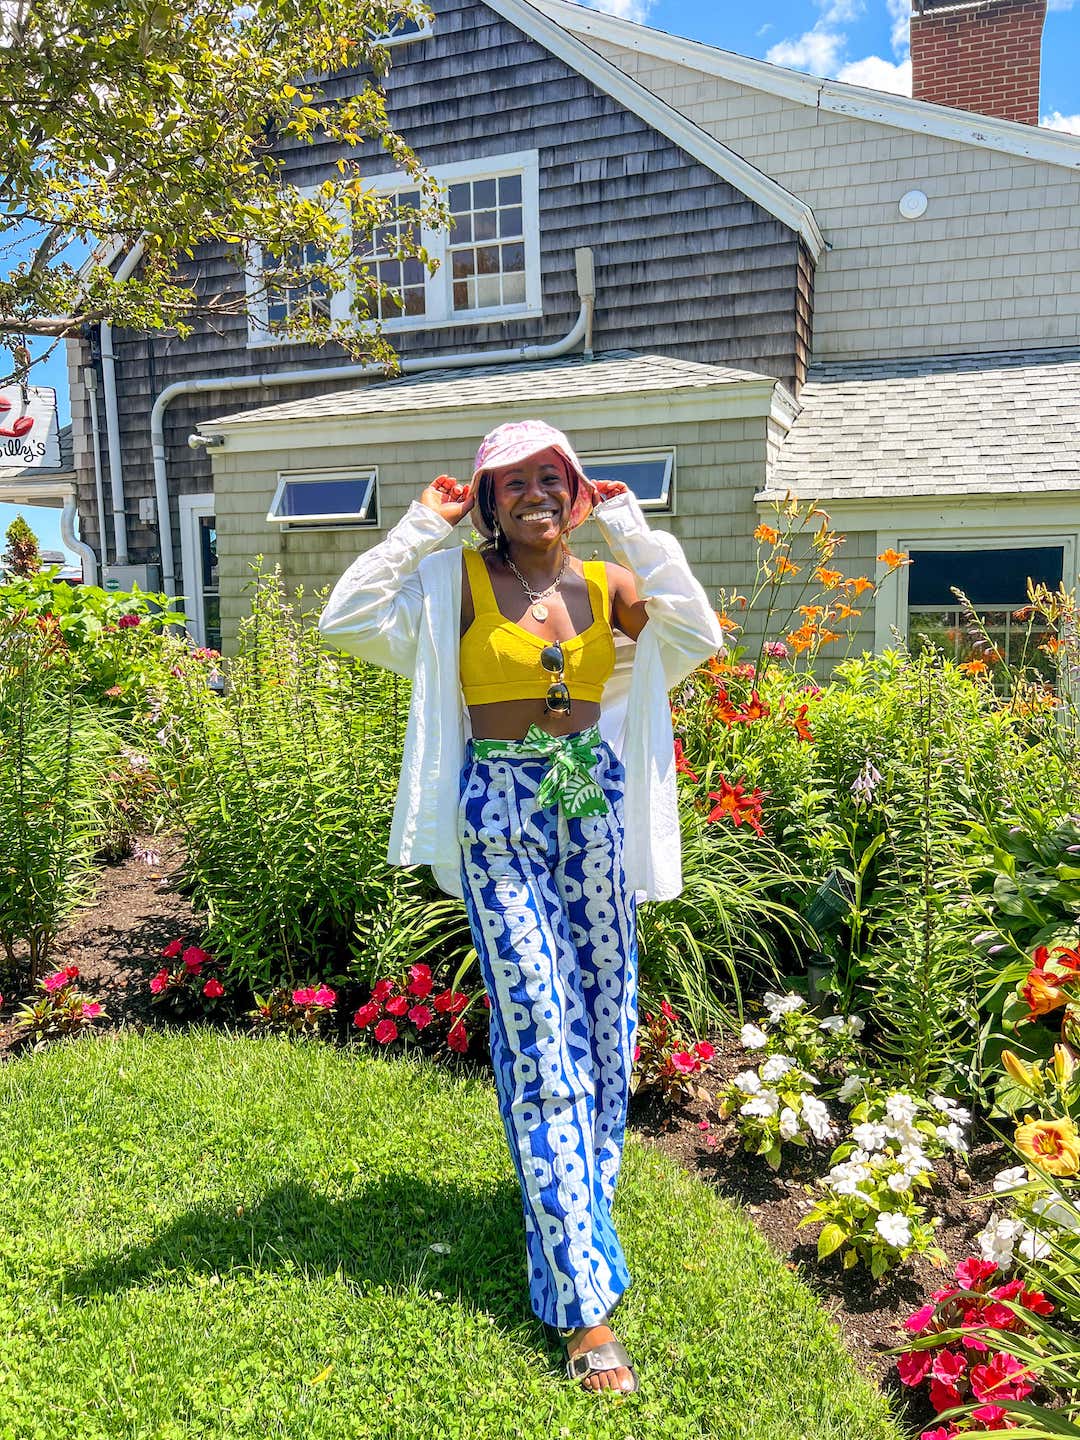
[214, 1236]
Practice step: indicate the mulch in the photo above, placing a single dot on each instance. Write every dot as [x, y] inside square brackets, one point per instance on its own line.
[138, 908]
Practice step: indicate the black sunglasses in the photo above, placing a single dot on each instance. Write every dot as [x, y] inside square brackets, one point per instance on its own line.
[558, 696]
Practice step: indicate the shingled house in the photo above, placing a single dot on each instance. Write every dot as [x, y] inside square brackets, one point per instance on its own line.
[722, 278]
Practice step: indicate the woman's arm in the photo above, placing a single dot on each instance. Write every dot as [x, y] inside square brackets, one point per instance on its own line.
[374, 609]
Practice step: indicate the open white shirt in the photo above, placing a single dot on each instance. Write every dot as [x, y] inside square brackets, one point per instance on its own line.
[399, 606]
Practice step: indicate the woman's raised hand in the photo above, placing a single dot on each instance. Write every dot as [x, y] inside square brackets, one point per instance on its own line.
[448, 498]
[602, 490]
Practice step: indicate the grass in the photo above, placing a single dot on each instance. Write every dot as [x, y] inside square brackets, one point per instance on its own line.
[205, 1235]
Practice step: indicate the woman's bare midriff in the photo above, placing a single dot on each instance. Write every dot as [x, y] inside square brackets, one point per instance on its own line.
[510, 719]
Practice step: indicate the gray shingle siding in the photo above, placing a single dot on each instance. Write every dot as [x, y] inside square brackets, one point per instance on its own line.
[685, 264]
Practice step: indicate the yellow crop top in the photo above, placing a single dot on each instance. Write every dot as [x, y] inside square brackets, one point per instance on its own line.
[500, 660]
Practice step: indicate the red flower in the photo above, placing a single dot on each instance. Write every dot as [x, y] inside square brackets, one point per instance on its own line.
[450, 1002]
[1036, 1302]
[1009, 1291]
[90, 1012]
[420, 1016]
[397, 1006]
[948, 1366]
[914, 1366]
[1001, 1378]
[802, 727]
[173, 948]
[920, 1321]
[704, 1050]
[159, 981]
[194, 958]
[940, 1433]
[685, 1063]
[304, 996]
[382, 988]
[666, 1010]
[637, 1053]
[419, 981]
[126, 621]
[972, 1272]
[457, 1039]
[487, 1002]
[385, 1031]
[213, 989]
[731, 801]
[754, 709]
[71, 971]
[943, 1397]
[994, 1417]
[723, 709]
[366, 1014]
[682, 765]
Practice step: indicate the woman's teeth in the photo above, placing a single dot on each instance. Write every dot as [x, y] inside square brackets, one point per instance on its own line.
[538, 515]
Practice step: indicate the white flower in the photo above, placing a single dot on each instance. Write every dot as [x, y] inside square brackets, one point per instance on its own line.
[900, 1182]
[859, 1157]
[1055, 1209]
[951, 1109]
[906, 1134]
[1010, 1179]
[998, 1240]
[855, 1024]
[748, 1082]
[869, 1136]
[846, 1177]
[952, 1136]
[776, 1067]
[901, 1109]
[789, 1123]
[763, 1106]
[1031, 1247]
[832, 1024]
[753, 1037]
[817, 1117]
[851, 1087]
[778, 1005]
[914, 1159]
[894, 1228]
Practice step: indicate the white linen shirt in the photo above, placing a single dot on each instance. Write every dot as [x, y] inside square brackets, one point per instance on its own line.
[399, 606]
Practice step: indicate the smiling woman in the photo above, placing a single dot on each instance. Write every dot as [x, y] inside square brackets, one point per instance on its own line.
[565, 745]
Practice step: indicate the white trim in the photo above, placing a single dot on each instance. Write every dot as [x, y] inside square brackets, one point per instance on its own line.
[191, 509]
[1054, 147]
[370, 520]
[746, 399]
[387, 42]
[753, 183]
[615, 458]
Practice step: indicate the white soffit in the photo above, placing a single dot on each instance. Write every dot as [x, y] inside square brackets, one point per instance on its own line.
[752, 182]
[1054, 147]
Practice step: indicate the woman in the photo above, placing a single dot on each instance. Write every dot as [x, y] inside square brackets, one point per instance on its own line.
[555, 814]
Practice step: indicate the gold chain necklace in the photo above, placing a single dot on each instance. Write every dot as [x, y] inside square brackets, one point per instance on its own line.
[539, 610]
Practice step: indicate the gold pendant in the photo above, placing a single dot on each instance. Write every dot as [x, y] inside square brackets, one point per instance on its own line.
[539, 612]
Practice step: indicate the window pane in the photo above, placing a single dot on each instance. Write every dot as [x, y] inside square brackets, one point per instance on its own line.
[649, 479]
[487, 260]
[484, 225]
[513, 257]
[464, 263]
[412, 272]
[461, 295]
[461, 197]
[483, 194]
[513, 289]
[987, 577]
[462, 231]
[346, 496]
[414, 302]
[510, 190]
[510, 222]
[487, 291]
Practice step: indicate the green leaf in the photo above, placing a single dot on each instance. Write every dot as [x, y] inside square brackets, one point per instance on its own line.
[830, 1239]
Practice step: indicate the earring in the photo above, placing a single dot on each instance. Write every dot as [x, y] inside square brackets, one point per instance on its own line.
[496, 533]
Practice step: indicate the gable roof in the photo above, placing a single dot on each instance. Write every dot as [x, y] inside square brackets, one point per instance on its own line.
[528, 384]
[747, 178]
[1000, 423]
[1054, 147]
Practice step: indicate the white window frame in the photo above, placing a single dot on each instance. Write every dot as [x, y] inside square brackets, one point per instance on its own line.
[193, 508]
[358, 519]
[624, 457]
[259, 335]
[894, 613]
[388, 41]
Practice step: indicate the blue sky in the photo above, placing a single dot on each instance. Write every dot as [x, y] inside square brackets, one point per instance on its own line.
[860, 41]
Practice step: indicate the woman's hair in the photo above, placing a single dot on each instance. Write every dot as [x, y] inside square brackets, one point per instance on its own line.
[485, 503]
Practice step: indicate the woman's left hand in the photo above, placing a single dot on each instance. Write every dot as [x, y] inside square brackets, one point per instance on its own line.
[601, 490]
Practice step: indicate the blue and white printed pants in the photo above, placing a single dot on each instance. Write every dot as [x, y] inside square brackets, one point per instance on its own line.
[555, 930]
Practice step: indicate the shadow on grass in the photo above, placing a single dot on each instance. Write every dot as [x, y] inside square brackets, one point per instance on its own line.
[398, 1233]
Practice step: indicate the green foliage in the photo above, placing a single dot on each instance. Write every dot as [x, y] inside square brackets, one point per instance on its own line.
[116, 644]
[55, 756]
[168, 123]
[21, 555]
[283, 787]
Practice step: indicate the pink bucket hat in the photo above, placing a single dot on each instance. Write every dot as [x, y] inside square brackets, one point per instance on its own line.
[516, 441]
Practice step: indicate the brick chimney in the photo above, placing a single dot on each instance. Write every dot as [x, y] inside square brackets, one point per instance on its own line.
[982, 55]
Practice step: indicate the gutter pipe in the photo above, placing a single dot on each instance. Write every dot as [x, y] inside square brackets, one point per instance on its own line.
[68, 516]
[582, 330]
[112, 420]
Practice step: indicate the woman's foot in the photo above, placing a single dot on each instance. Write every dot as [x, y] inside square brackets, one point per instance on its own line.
[589, 1337]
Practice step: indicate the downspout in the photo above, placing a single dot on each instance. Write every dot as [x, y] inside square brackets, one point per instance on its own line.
[112, 419]
[67, 534]
[99, 486]
[582, 330]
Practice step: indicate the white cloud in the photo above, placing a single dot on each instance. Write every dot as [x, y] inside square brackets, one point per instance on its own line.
[900, 10]
[636, 10]
[1057, 121]
[1061, 4]
[764, 29]
[836, 12]
[817, 51]
[878, 74]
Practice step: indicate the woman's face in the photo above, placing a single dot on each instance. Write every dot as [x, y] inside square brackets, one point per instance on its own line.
[533, 499]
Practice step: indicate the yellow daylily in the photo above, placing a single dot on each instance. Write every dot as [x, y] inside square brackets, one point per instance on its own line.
[1052, 1145]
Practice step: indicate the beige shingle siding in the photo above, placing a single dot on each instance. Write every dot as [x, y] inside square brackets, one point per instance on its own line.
[994, 262]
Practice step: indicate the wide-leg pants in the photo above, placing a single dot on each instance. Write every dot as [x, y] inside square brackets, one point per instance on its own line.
[555, 930]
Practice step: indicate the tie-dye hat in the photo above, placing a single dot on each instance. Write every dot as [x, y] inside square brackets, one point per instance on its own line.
[511, 443]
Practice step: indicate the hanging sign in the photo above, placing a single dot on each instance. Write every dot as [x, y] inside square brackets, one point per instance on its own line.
[29, 429]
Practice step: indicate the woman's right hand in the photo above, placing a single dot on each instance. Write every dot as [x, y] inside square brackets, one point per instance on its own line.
[448, 498]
